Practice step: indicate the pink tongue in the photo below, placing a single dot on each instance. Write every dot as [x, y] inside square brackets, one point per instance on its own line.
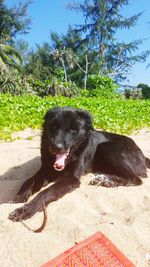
[60, 161]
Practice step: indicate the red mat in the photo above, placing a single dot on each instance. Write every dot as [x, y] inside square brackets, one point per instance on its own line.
[95, 251]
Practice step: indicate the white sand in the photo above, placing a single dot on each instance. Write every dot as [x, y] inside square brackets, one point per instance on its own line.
[122, 214]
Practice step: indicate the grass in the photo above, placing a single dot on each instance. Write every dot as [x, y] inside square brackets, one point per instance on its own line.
[120, 116]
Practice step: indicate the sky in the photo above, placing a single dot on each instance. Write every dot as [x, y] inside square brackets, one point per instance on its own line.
[52, 15]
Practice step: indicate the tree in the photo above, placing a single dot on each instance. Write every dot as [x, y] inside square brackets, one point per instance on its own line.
[9, 57]
[13, 20]
[40, 62]
[75, 58]
[63, 48]
[102, 20]
[145, 90]
[23, 49]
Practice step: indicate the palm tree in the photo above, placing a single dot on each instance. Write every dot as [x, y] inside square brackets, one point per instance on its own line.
[9, 57]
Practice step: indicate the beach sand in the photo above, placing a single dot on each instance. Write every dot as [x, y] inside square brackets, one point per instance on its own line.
[122, 214]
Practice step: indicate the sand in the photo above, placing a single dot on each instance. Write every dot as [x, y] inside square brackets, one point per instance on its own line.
[122, 214]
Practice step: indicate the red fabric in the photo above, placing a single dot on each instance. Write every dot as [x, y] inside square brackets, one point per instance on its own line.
[95, 251]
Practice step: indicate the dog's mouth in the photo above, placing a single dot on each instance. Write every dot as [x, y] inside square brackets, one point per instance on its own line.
[60, 161]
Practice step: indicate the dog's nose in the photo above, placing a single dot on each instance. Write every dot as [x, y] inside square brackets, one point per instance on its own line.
[59, 146]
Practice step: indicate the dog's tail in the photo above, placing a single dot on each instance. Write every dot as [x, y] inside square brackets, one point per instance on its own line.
[147, 161]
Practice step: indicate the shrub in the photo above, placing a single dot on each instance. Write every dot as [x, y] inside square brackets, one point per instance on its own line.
[54, 87]
[39, 87]
[145, 90]
[13, 83]
[101, 86]
[133, 93]
[114, 115]
[60, 88]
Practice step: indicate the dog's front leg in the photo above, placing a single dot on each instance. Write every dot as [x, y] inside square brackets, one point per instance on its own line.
[48, 195]
[31, 186]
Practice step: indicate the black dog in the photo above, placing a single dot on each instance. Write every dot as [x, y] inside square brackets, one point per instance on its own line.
[70, 147]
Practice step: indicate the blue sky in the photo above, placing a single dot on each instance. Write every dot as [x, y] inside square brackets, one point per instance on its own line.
[52, 15]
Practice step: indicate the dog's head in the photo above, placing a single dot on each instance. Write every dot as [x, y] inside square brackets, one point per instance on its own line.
[66, 128]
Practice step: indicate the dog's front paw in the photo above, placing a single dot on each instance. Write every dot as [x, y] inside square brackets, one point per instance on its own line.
[25, 212]
[22, 213]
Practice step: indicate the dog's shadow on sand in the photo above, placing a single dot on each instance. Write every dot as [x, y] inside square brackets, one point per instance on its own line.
[13, 178]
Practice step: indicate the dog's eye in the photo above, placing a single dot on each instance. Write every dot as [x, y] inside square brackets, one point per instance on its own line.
[55, 127]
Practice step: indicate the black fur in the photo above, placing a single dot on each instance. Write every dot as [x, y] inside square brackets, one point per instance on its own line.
[115, 159]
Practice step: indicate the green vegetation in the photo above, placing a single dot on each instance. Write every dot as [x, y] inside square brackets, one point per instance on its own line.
[145, 89]
[9, 57]
[102, 20]
[101, 86]
[121, 116]
[80, 68]
[67, 63]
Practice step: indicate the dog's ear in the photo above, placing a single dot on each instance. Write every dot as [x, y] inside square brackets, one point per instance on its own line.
[87, 118]
[50, 113]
